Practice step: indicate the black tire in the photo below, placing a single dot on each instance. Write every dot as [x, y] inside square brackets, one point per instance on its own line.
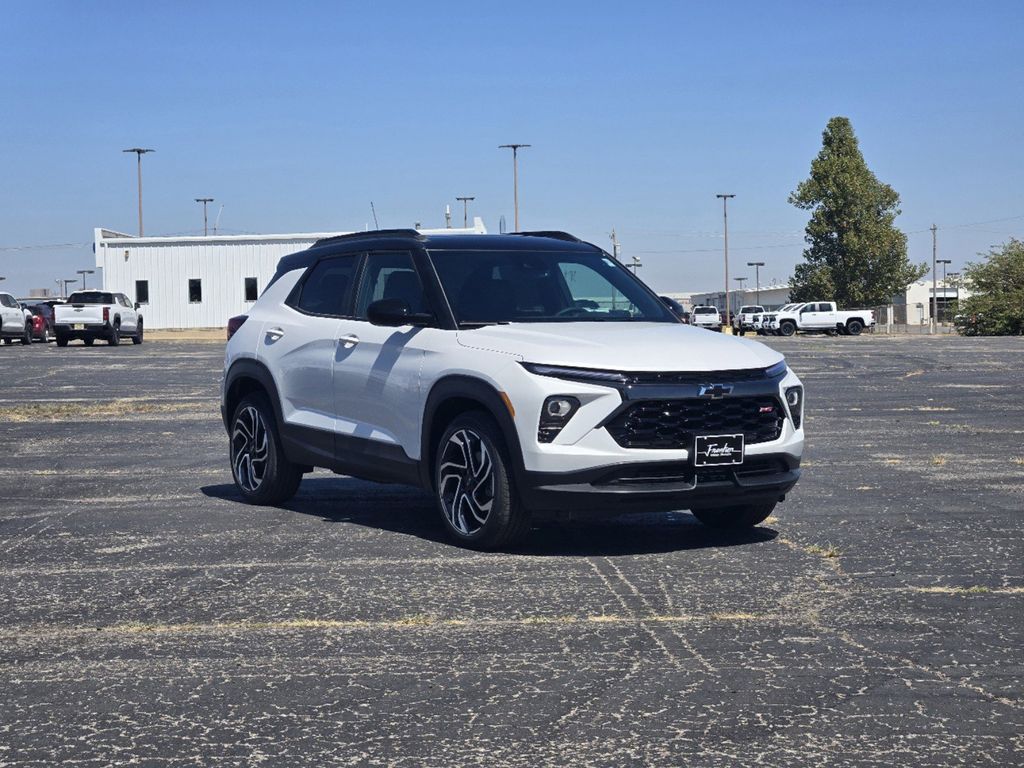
[88, 341]
[734, 518]
[26, 337]
[472, 449]
[7, 341]
[137, 338]
[115, 336]
[787, 328]
[62, 340]
[47, 334]
[854, 327]
[259, 467]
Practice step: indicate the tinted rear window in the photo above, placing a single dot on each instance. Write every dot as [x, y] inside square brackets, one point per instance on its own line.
[91, 297]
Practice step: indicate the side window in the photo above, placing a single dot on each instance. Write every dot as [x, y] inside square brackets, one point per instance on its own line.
[390, 275]
[5, 300]
[142, 291]
[327, 289]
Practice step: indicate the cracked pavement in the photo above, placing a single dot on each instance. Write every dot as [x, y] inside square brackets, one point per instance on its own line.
[148, 617]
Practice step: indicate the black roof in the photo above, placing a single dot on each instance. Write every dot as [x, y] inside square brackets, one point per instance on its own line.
[398, 238]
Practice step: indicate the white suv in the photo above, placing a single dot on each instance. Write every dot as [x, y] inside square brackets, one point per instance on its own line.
[508, 375]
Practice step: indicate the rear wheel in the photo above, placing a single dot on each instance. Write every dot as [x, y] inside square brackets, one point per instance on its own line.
[47, 334]
[261, 470]
[854, 327]
[137, 338]
[115, 336]
[88, 341]
[26, 337]
[734, 518]
[62, 340]
[473, 484]
[788, 328]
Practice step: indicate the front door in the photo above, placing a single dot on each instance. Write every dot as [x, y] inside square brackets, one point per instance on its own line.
[377, 392]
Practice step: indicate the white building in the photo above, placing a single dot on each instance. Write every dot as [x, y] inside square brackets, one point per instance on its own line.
[199, 282]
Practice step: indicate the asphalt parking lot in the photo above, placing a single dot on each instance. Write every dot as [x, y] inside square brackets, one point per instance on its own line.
[147, 616]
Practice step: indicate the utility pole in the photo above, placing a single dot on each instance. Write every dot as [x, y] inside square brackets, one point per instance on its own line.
[515, 175]
[615, 245]
[204, 201]
[935, 298]
[635, 265]
[83, 273]
[945, 296]
[465, 210]
[757, 278]
[725, 220]
[140, 152]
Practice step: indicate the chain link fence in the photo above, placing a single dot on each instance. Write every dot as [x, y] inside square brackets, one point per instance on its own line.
[908, 318]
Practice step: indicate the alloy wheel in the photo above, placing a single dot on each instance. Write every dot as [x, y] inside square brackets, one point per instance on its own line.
[249, 449]
[466, 482]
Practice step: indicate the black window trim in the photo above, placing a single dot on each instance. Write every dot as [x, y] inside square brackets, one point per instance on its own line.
[197, 280]
[357, 294]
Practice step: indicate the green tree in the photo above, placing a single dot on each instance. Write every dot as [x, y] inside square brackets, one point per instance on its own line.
[855, 253]
[996, 306]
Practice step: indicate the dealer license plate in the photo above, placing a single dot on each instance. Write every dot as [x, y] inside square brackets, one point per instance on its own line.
[715, 450]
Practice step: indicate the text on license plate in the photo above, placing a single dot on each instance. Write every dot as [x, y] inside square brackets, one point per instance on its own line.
[714, 450]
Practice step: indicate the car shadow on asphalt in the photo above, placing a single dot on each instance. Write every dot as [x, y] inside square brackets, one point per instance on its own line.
[411, 512]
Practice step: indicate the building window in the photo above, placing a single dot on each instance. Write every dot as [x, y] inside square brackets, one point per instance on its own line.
[195, 291]
[250, 289]
[142, 291]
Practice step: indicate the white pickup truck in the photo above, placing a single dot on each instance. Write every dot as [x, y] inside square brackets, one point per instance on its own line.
[821, 317]
[747, 319]
[91, 315]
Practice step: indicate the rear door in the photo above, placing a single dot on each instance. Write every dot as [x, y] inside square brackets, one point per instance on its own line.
[10, 315]
[299, 342]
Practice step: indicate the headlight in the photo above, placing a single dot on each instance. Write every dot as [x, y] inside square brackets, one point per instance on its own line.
[554, 415]
[586, 375]
[779, 369]
[795, 402]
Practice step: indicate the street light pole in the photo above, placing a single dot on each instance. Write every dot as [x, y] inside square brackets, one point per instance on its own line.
[140, 152]
[945, 296]
[67, 281]
[757, 278]
[465, 210]
[935, 297]
[83, 273]
[725, 220]
[515, 175]
[204, 201]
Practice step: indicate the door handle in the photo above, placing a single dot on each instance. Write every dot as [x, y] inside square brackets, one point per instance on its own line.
[275, 333]
[350, 340]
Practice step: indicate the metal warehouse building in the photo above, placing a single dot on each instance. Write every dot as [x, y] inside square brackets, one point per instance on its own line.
[199, 282]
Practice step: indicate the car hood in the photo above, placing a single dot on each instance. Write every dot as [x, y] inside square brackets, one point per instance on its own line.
[622, 346]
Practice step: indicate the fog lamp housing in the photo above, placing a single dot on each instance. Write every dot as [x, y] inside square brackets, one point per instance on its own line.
[795, 403]
[554, 415]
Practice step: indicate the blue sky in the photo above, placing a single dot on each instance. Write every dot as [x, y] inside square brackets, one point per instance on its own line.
[295, 116]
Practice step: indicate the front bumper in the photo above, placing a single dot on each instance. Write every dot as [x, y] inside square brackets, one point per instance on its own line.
[658, 487]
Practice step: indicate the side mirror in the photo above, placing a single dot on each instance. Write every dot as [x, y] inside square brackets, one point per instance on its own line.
[137, 305]
[395, 312]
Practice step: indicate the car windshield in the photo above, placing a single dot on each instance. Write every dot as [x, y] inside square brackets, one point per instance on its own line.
[485, 287]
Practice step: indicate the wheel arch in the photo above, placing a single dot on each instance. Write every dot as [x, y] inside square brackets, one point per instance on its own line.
[244, 377]
[454, 395]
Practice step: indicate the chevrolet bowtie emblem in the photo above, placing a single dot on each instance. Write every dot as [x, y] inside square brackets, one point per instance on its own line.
[715, 391]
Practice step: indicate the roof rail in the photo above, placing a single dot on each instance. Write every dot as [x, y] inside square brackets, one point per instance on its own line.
[554, 234]
[369, 233]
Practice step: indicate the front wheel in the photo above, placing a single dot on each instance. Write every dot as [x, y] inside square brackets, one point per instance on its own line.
[734, 518]
[787, 328]
[474, 487]
[26, 337]
[261, 470]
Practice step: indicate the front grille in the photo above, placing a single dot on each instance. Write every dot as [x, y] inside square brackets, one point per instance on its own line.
[673, 424]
